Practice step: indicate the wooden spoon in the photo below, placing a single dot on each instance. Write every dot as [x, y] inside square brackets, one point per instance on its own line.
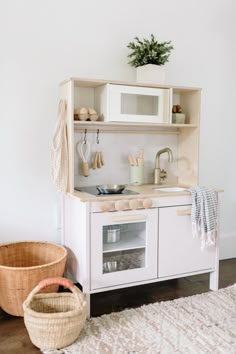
[99, 160]
[102, 159]
[95, 161]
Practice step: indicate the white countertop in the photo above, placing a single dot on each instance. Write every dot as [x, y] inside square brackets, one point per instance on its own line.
[145, 191]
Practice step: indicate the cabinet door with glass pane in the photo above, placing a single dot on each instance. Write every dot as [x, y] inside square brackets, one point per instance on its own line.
[123, 247]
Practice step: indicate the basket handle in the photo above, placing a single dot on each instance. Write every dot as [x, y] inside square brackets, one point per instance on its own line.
[67, 283]
[79, 297]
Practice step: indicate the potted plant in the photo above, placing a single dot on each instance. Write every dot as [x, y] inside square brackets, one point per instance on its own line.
[149, 58]
[177, 116]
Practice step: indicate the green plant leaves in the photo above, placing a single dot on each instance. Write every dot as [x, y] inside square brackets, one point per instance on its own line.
[149, 51]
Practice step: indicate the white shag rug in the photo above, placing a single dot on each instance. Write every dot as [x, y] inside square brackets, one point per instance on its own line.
[197, 324]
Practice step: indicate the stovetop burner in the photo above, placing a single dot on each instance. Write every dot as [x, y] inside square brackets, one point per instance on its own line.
[93, 190]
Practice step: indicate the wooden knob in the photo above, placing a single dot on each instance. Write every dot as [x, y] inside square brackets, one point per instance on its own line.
[121, 205]
[106, 206]
[147, 203]
[134, 204]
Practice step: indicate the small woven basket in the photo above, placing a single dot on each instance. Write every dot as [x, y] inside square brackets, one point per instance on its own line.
[54, 320]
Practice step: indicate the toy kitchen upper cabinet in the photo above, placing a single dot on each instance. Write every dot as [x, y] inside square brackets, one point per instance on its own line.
[137, 104]
[117, 102]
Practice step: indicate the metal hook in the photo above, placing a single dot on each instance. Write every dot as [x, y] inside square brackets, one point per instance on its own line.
[97, 136]
[85, 133]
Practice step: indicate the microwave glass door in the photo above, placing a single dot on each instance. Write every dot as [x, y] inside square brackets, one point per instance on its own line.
[145, 105]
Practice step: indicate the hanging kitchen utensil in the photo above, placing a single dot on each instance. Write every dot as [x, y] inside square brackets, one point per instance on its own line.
[102, 158]
[99, 160]
[97, 138]
[95, 161]
[83, 149]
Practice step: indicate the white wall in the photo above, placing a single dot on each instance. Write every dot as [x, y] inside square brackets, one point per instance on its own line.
[44, 42]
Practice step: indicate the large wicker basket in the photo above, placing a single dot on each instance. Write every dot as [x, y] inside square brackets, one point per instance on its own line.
[54, 321]
[22, 266]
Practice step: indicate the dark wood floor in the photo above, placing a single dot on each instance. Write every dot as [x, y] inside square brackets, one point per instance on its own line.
[14, 338]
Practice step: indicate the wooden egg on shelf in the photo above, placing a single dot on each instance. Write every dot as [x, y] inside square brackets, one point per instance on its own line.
[91, 111]
[76, 114]
[83, 117]
[83, 113]
[93, 116]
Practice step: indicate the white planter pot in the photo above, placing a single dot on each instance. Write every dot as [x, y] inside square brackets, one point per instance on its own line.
[151, 74]
[178, 118]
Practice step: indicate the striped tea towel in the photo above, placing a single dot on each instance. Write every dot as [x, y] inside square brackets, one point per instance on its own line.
[204, 214]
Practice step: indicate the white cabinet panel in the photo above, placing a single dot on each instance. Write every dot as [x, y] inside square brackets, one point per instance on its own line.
[179, 252]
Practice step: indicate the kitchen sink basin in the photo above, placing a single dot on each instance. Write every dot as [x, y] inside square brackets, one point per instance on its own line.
[170, 189]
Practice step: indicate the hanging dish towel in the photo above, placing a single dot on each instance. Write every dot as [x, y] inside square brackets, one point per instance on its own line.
[59, 150]
[204, 215]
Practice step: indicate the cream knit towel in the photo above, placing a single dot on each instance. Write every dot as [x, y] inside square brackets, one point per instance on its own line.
[204, 215]
[59, 150]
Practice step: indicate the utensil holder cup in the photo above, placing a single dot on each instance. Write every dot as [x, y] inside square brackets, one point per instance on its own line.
[136, 175]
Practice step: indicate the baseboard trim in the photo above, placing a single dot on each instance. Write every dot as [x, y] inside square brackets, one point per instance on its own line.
[228, 246]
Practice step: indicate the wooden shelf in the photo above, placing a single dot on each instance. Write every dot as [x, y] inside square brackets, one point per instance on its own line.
[125, 124]
[85, 82]
[125, 244]
[117, 127]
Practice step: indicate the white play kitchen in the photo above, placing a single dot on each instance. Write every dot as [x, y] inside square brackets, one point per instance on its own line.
[127, 210]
